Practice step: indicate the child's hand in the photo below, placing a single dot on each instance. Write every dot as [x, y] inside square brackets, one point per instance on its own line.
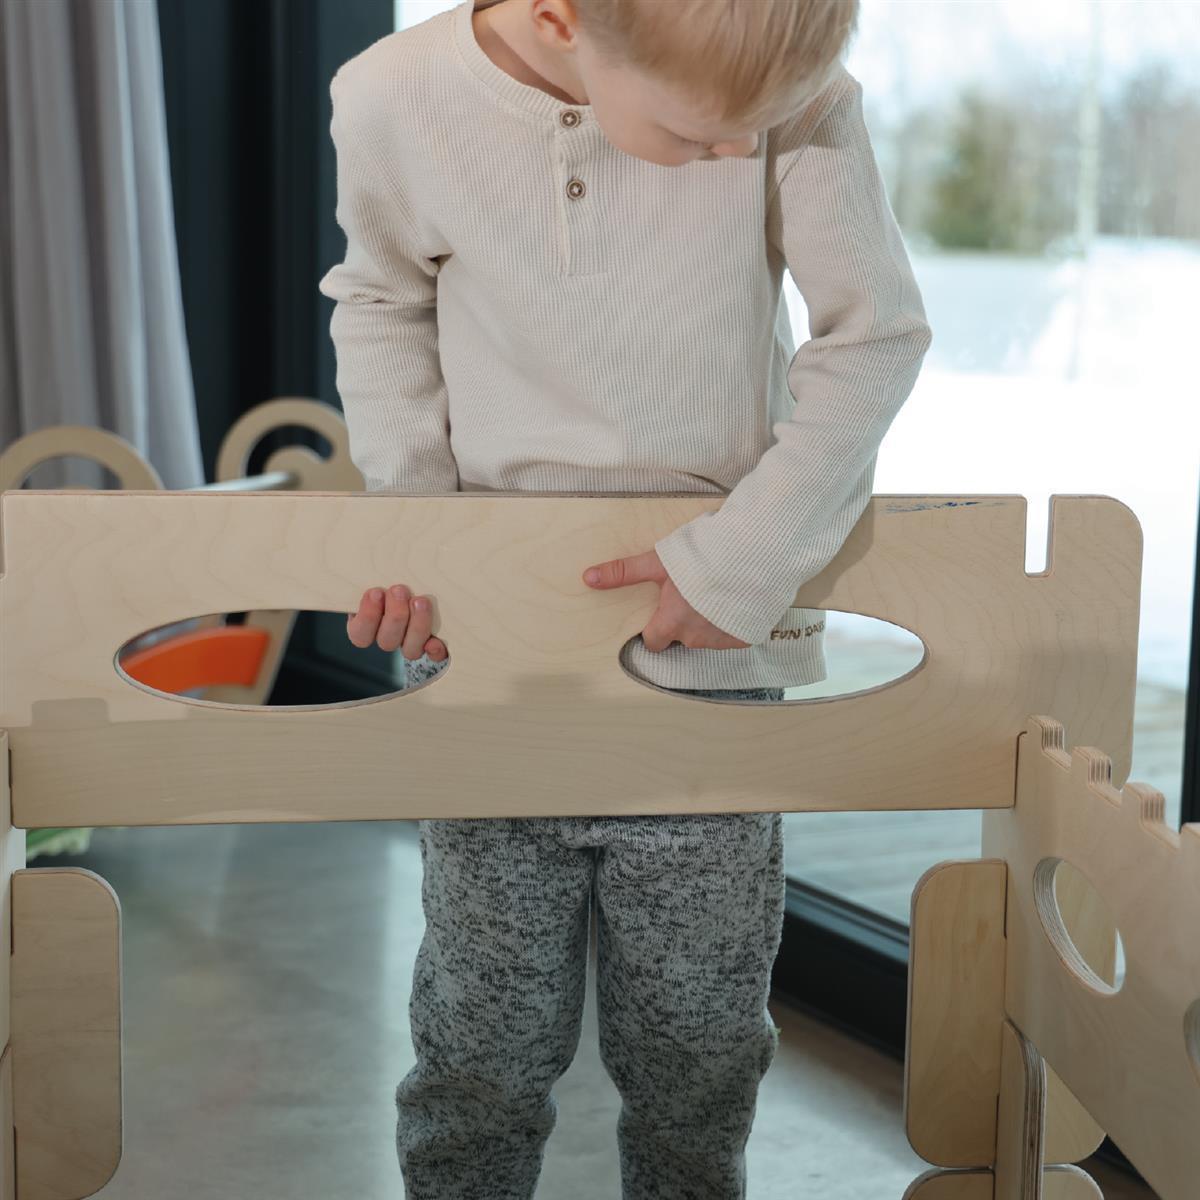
[674, 620]
[403, 624]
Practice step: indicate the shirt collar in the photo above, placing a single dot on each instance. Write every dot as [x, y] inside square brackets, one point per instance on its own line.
[530, 100]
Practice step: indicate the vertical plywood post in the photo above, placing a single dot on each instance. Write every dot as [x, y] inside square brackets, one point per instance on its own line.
[66, 1032]
[1020, 1118]
[12, 858]
[955, 1013]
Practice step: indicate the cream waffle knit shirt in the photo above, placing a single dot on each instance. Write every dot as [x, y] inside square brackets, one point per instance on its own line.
[524, 307]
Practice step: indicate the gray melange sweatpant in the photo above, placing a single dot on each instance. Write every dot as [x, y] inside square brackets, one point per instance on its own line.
[689, 913]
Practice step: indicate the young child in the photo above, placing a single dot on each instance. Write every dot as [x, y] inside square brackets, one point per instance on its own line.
[567, 223]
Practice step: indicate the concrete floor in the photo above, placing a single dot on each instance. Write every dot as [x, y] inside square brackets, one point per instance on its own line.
[266, 975]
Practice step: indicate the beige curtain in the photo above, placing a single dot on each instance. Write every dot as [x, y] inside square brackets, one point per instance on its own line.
[91, 316]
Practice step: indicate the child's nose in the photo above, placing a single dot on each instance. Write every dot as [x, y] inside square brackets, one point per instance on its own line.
[737, 149]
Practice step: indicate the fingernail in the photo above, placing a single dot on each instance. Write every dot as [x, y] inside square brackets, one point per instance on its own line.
[591, 576]
[377, 595]
[420, 602]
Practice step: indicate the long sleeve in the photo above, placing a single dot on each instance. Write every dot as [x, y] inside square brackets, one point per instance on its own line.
[785, 520]
[384, 324]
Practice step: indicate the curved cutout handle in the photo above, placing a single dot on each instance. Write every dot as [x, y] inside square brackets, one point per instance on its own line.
[102, 446]
[337, 473]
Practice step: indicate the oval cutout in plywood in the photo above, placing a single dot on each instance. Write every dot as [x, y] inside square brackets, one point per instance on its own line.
[855, 653]
[1080, 925]
[232, 660]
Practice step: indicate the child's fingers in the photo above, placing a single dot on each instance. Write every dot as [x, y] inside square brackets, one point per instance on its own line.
[361, 625]
[395, 621]
[397, 617]
[419, 626]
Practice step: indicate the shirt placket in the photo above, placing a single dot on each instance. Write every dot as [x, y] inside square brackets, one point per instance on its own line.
[579, 194]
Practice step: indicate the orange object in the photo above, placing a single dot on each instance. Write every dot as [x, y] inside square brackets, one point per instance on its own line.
[229, 654]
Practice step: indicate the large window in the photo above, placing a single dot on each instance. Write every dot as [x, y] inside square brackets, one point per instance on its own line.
[411, 12]
[1043, 161]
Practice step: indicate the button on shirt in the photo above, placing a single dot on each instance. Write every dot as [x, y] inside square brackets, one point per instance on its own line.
[524, 307]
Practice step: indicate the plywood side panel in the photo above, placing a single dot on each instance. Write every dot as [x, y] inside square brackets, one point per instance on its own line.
[12, 859]
[66, 1032]
[525, 717]
[955, 1013]
[950, 1185]
[1058, 1183]
[8, 1178]
[1071, 1133]
[1131, 1056]
[1020, 1118]
[1069, 1183]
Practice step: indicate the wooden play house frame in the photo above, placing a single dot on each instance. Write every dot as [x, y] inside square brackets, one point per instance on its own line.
[1020, 1050]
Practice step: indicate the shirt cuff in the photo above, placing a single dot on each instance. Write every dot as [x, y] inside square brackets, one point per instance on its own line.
[730, 605]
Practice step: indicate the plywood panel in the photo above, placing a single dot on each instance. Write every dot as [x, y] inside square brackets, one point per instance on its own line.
[12, 859]
[8, 1178]
[951, 1185]
[66, 1032]
[526, 717]
[1124, 1054]
[1058, 1183]
[955, 1013]
[1020, 1118]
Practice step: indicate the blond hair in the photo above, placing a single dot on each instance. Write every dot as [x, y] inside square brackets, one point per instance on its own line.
[746, 57]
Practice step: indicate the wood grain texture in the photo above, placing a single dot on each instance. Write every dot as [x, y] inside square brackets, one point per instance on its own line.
[1124, 1054]
[1071, 1133]
[313, 473]
[525, 718]
[955, 1013]
[1058, 1183]
[951, 1185]
[8, 1176]
[535, 703]
[1020, 1118]
[102, 446]
[67, 993]
[66, 1032]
